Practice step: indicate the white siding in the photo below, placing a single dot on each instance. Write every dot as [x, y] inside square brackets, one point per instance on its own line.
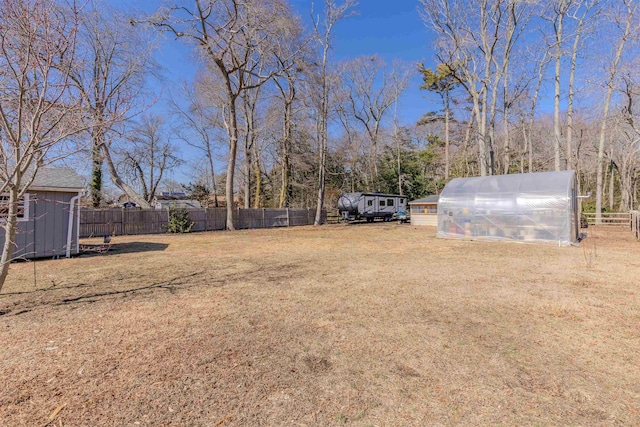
[424, 219]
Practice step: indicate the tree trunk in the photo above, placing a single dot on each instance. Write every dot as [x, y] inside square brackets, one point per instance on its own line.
[95, 188]
[9, 226]
[323, 148]
[446, 137]
[482, 147]
[233, 151]
[525, 139]
[605, 114]
[214, 187]
[321, 188]
[574, 61]
[506, 155]
[467, 138]
[611, 187]
[257, 173]
[286, 143]
[556, 99]
[118, 182]
[247, 174]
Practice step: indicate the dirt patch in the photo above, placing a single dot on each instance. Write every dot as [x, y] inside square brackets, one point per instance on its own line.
[379, 324]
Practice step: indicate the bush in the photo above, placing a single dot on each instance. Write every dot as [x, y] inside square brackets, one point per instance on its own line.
[179, 221]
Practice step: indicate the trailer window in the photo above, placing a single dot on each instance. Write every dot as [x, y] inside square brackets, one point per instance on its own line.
[369, 202]
[382, 203]
[23, 207]
[389, 202]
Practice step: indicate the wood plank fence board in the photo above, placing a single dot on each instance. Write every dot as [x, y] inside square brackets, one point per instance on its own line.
[119, 222]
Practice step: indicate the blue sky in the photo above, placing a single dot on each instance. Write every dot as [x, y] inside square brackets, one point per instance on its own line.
[392, 30]
[389, 29]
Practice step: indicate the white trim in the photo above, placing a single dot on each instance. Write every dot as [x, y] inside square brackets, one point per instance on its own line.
[81, 193]
[70, 224]
[57, 189]
[25, 209]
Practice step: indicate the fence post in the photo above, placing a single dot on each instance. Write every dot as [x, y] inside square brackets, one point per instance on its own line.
[206, 219]
[288, 219]
[264, 225]
[122, 223]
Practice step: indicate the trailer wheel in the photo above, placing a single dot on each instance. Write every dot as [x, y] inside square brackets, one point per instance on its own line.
[369, 219]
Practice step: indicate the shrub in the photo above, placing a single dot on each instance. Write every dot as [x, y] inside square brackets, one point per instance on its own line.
[179, 221]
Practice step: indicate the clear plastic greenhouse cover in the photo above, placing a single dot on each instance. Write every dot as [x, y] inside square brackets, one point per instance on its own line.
[530, 207]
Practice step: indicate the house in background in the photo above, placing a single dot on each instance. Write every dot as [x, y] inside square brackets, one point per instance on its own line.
[175, 200]
[48, 218]
[425, 211]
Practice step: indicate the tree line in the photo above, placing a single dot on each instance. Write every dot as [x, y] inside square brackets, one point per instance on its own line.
[516, 86]
[532, 86]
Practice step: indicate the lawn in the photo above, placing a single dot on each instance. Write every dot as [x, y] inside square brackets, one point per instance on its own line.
[364, 325]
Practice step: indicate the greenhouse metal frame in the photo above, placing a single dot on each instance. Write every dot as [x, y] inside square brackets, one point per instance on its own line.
[536, 207]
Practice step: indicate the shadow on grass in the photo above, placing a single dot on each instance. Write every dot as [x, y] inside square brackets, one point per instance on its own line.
[171, 285]
[121, 248]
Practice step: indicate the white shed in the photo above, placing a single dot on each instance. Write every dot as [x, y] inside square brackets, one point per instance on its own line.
[425, 211]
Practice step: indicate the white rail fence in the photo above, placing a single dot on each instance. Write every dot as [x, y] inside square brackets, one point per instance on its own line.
[609, 218]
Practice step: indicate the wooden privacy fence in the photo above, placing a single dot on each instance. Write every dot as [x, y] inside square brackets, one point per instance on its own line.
[635, 223]
[120, 222]
[609, 218]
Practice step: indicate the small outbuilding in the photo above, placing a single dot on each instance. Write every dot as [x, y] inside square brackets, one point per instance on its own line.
[530, 207]
[48, 217]
[175, 200]
[425, 211]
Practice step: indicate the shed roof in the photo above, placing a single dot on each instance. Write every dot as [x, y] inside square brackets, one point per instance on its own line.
[429, 199]
[57, 179]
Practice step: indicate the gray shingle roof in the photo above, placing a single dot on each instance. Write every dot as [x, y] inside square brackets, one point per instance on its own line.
[429, 199]
[59, 179]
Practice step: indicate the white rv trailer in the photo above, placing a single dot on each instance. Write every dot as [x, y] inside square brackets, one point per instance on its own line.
[355, 206]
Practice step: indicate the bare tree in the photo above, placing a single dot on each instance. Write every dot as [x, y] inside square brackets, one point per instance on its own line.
[560, 10]
[627, 158]
[147, 155]
[200, 123]
[249, 133]
[114, 61]
[38, 109]
[290, 55]
[467, 45]
[323, 36]
[232, 37]
[582, 15]
[628, 14]
[371, 91]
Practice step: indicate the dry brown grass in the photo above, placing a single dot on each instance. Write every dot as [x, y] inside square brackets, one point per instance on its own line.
[362, 325]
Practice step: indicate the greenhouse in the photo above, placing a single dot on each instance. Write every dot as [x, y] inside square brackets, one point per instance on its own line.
[531, 207]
